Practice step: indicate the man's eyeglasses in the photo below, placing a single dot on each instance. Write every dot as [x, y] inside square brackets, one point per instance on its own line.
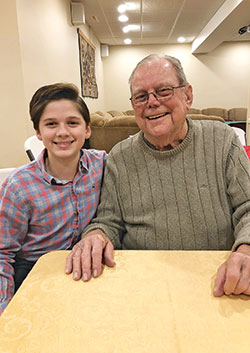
[161, 94]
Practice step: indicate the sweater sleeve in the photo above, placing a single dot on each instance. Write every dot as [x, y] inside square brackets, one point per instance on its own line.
[109, 214]
[238, 188]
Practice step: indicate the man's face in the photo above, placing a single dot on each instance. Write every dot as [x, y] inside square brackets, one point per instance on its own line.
[166, 118]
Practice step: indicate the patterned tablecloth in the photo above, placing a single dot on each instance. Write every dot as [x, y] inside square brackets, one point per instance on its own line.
[151, 301]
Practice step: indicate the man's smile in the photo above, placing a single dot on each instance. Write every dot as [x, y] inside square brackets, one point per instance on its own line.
[153, 117]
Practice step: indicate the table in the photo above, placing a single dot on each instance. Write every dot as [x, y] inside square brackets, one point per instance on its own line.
[152, 301]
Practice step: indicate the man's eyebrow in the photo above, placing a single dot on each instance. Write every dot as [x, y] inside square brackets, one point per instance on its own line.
[164, 84]
[139, 91]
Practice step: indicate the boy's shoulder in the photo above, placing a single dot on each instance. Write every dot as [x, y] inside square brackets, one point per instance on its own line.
[21, 175]
[93, 154]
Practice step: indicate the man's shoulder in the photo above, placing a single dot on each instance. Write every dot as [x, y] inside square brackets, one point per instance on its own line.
[212, 126]
[208, 123]
[126, 145]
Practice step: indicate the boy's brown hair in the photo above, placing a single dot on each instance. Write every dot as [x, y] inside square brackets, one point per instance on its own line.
[54, 92]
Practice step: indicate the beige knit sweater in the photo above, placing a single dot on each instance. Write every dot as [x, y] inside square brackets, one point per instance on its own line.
[193, 197]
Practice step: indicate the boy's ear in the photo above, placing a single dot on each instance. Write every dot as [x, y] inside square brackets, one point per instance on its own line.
[38, 135]
[88, 132]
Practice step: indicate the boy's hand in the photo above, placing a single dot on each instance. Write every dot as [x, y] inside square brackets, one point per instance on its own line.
[85, 259]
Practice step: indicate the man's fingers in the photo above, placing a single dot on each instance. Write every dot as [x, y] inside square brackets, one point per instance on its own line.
[243, 283]
[109, 255]
[85, 260]
[86, 256]
[247, 291]
[97, 251]
[69, 263]
[233, 277]
[233, 274]
[220, 281]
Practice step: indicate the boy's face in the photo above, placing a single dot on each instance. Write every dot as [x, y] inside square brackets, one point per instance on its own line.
[63, 130]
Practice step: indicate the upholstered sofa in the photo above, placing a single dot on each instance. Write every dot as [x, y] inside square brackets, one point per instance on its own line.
[108, 128]
[233, 114]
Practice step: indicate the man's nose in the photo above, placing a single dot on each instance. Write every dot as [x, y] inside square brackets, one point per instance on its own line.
[152, 99]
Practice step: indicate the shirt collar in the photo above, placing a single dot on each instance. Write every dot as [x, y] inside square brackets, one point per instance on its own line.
[82, 168]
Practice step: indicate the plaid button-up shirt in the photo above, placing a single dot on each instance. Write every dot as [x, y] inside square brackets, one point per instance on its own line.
[39, 213]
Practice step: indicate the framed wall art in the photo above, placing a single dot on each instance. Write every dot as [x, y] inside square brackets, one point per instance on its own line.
[87, 66]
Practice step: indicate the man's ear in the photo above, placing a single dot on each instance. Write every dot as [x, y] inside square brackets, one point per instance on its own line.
[88, 132]
[38, 135]
[189, 96]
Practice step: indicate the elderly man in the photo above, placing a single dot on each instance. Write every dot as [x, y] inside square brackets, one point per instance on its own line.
[176, 185]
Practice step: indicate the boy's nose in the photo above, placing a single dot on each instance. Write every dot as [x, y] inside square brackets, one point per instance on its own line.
[62, 130]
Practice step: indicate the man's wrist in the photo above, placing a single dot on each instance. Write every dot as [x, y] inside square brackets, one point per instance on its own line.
[97, 231]
[244, 249]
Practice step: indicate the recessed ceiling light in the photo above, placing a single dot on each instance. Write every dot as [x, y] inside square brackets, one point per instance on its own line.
[125, 29]
[122, 8]
[127, 6]
[181, 39]
[128, 28]
[127, 41]
[123, 18]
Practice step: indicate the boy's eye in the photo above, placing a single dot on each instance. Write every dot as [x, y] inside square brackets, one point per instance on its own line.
[73, 123]
[51, 124]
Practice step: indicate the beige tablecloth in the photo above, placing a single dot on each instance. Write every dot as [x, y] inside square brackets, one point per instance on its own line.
[152, 301]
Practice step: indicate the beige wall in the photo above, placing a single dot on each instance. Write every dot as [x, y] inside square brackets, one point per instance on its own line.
[39, 46]
[219, 78]
[12, 122]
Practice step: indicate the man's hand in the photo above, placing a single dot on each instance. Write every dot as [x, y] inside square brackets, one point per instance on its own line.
[233, 276]
[85, 259]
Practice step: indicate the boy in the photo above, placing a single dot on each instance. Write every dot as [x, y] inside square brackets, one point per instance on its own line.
[46, 204]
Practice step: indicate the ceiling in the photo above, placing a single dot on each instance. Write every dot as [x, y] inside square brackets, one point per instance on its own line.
[205, 24]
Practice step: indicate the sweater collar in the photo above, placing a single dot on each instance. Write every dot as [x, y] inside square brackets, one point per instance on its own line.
[171, 151]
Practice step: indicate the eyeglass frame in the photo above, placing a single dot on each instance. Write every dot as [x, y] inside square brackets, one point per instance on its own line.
[159, 99]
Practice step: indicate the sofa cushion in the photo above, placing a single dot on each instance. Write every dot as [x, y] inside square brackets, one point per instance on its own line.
[216, 111]
[119, 121]
[237, 114]
[104, 114]
[115, 113]
[129, 112]
[107, 132]
[194, 111]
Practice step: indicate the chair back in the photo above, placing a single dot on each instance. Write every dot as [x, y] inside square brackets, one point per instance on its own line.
[241, 134]
[33, 146]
